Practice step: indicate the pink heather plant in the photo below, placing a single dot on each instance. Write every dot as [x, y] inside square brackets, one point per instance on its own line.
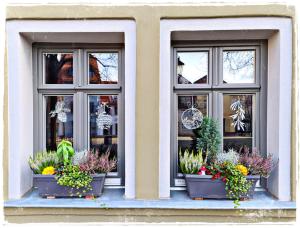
[96, 163]
[256, 164]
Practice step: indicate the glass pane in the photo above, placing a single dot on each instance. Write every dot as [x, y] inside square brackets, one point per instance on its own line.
[104, 123]
[237, 121]
[59, 120]
[103, 68]
[58, 68]
[239, 66]
[186, 137]
[192, 67]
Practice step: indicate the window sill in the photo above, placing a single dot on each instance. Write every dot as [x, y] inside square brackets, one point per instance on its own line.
[114, 198]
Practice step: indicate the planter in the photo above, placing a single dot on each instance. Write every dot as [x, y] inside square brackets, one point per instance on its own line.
[48, 187]
[202, 186]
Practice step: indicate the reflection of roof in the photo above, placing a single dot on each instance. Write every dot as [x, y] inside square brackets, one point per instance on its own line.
[201, 80]
[179, 62]
[183, 80]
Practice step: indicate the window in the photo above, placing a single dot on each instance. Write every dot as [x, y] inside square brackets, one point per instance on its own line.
[80, 99]
[221, 80]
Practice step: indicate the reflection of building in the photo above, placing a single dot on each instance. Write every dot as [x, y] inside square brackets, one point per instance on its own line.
[59, 68]
[182, 80]
[94, 73]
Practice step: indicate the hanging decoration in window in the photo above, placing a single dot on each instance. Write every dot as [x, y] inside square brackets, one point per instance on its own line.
[192, 118]
[103, 120]
[60, 111]
[239, 116]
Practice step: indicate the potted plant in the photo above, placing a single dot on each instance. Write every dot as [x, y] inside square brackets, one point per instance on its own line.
[221, 175]
[65, 173]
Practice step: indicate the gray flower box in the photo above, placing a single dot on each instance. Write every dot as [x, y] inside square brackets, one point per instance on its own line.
[202, 186]
[48, 187]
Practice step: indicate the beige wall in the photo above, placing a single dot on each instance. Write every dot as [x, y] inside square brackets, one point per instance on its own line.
[147, 19]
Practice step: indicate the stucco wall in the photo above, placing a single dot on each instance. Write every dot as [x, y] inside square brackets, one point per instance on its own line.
[147, 19]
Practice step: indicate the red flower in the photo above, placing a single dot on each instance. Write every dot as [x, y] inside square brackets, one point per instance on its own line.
[203, 168]
[216, 176]
[224, 179]
[199, 173]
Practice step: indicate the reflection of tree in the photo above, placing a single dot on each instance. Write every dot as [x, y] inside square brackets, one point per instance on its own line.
[237, 60]
[57, 130]
[102, 67]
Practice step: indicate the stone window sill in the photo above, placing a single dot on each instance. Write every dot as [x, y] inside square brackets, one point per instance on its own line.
[114, 198]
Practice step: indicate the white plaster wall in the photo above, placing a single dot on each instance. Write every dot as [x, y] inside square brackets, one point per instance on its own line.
[20, 89]
[20, 115]
[279, 89]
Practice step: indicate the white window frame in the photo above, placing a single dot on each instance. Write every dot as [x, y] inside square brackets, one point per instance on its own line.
[278, 32]
[21, 34]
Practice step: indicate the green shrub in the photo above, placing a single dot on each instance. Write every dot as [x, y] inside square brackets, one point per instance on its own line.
[65, 151]
[208, 138]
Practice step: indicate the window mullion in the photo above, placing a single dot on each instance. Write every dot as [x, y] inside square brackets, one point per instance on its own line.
[215, 67]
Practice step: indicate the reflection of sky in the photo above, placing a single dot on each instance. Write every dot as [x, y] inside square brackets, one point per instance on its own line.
[109, 73]
[195, 65]
[242, 63]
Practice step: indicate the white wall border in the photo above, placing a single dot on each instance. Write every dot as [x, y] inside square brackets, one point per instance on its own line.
[20, 92]
[279, 92]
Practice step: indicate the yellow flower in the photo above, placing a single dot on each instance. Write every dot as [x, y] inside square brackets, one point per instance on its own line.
[242, 169]
[48, 170]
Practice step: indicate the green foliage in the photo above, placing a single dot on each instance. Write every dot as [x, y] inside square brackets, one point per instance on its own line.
[190, 163]
[236, 184]
[65, 151]
[42, 160]
[208, 138]
[71, 176]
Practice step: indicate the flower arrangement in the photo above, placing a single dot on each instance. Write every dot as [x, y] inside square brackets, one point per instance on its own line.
[231, 167]
[234, 177]
[71, 169]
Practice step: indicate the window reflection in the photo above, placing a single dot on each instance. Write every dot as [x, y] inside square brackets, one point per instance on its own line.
[192, 67]
[104, 123]
[58, 68]
[237, 121]
[103, 68]
[59, 120]
[239, 66]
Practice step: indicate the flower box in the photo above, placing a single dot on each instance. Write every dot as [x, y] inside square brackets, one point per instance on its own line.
[203, 186]
[48, 187]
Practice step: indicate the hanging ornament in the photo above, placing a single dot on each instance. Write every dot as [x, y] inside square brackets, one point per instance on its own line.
[192, 118]
[61, 111]
[103, 120]
[239, 116]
